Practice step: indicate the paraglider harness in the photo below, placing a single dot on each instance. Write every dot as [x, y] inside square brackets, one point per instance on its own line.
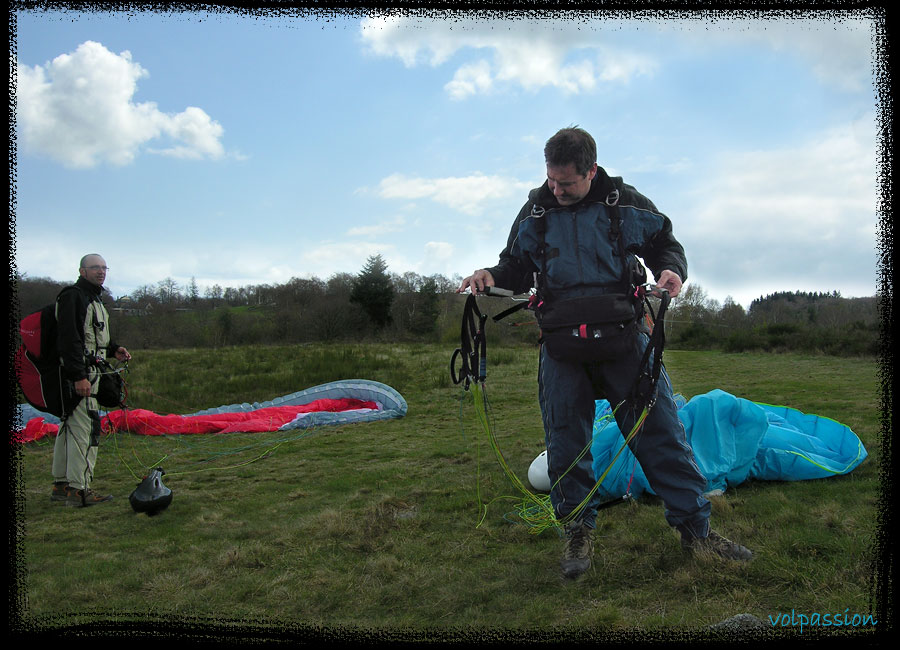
[39, 372]
[578, 330]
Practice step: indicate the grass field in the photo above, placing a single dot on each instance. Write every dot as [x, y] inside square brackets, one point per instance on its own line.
[372, 529]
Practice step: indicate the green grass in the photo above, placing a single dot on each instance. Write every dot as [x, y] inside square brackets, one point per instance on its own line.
[374, 527]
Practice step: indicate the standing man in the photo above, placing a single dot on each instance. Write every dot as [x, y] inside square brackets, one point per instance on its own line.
[578, 236]
[82, 338]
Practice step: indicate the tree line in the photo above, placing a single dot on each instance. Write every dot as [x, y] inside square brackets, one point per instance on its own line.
[823, 322]
[378, 305]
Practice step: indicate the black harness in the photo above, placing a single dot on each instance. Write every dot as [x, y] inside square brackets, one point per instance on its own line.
[472, 350]
[633, 273]
[643, 392]
[471, 356]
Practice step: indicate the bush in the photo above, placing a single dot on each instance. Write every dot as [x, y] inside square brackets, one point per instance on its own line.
[695, 336]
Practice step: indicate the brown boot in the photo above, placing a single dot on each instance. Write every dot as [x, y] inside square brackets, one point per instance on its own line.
[84, 498]
[717, 545]
[578, 550]
[60, 492]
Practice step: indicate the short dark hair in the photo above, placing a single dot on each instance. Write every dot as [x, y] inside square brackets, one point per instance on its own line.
[572, 145]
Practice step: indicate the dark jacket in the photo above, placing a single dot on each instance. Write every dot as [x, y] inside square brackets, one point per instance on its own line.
[72, 305]
[580, 255]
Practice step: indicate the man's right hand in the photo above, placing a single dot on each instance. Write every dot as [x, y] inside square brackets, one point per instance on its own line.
[83, 387]
[477, 282]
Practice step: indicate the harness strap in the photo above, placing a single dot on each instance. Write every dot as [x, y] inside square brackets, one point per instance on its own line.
[625, 285]
[512, 310]
[472, 349]
[643, 392]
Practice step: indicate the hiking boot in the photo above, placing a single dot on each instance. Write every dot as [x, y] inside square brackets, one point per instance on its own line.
[578, 550]
[717, 545]
[84, 498]
[60, 492]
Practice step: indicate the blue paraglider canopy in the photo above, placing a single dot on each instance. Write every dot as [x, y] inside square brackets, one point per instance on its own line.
[734, 440]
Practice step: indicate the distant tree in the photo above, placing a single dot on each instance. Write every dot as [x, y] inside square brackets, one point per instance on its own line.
[692, 303]
[300, 292]
[374, 291]
[231, 296]
[732, 314]
[144, 295]
[193, 291]
[340, 285]
[691, 321]
[444, 284]
[225, 327]
[168, 291]
[213, 294]
[263, 294]
[34, 293]
[425, 319]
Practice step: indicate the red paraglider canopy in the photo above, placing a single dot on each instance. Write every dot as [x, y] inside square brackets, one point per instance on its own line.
[339, 402]
[265, 419]
[148, 423]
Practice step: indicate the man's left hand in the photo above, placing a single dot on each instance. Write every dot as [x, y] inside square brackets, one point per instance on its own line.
[669, 281]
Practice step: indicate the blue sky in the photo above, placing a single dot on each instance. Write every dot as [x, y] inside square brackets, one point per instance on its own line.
[244, 149]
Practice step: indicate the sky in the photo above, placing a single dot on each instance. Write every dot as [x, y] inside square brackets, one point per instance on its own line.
[241, 149]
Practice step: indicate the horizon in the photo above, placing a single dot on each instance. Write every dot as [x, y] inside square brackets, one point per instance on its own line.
[183, 290]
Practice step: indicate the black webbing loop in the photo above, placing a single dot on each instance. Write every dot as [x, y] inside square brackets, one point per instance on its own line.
[472, 348]
[643, 393]
[512, 310]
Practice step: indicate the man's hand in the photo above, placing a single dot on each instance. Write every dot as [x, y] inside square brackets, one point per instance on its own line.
[122, 354]
[477, 282]
[83, 387]
[669, 281]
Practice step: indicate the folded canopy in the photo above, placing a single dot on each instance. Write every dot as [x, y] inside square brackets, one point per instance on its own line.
[351, 400]
[734, 440]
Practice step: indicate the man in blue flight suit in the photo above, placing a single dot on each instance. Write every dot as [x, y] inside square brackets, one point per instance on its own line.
[578, 235]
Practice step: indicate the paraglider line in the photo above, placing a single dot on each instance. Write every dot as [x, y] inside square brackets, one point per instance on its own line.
[536, 510]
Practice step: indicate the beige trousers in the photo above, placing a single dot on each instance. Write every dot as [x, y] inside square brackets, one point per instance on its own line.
[73, 456]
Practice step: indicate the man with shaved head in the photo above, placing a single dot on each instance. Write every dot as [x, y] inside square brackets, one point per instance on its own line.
[83, 341]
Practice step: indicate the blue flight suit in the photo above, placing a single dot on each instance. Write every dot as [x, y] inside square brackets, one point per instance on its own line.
[575, 253]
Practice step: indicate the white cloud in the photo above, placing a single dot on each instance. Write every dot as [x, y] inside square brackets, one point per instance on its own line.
[839, 53]
[531, 54]
[577, 55]
[393, 225]
[52, 254]
[199, 134]
[79, 109]
[467, 194]
[837, 48]
[811, 190]
[801, 218]
[438, 251]
[469, 80]
[406, 39]
[323, 259]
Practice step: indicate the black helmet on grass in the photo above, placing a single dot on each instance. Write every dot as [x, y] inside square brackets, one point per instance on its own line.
[151, 495]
